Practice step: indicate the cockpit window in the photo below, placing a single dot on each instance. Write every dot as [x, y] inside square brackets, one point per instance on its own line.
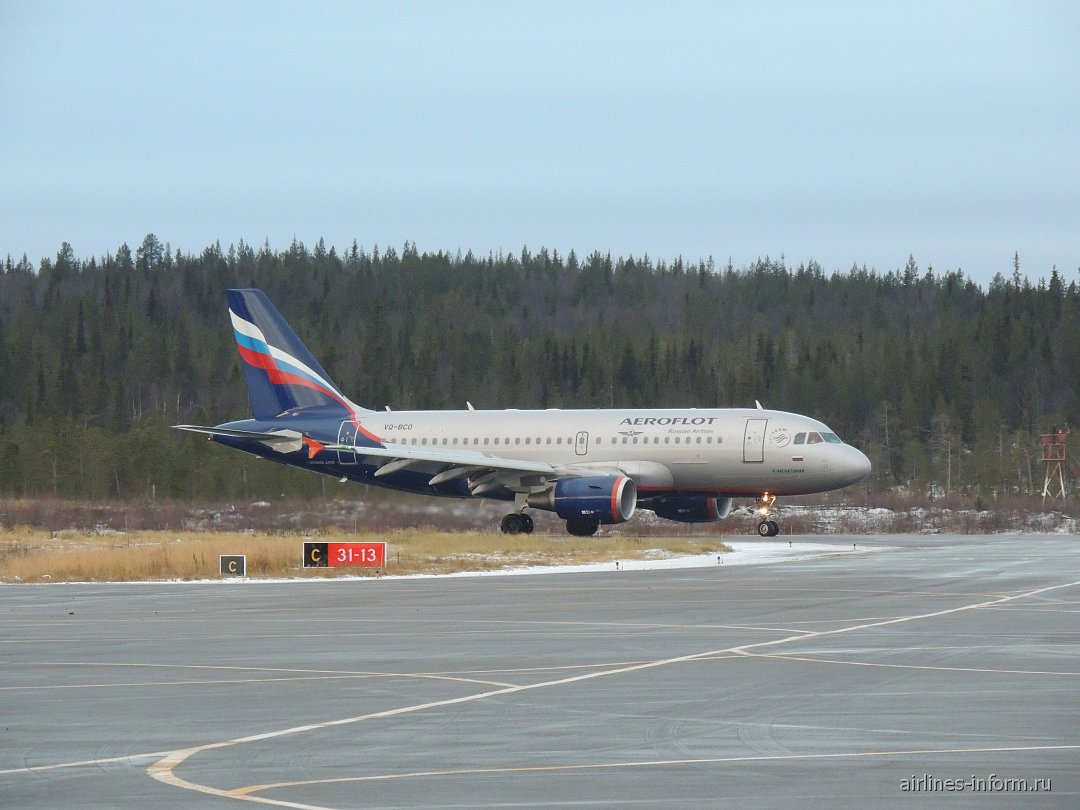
[816, 438]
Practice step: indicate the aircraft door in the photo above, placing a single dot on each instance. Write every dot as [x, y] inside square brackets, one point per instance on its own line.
[346, 435]
[754, 440]
[581, 445]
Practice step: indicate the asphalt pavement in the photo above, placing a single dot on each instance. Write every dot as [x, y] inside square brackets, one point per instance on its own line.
[944, 671]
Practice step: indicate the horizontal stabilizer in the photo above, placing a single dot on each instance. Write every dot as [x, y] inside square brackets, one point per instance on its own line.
[284, 441]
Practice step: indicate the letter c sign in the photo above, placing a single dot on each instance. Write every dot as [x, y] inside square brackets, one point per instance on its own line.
[233, 565]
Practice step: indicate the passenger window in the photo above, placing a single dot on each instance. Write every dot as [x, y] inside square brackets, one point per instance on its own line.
[558, 440]
[517, 440]
[496, 441]
[528, 440]
[698, 440]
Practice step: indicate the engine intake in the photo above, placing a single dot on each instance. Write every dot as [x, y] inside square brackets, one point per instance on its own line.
[692, 508]
[603, 498]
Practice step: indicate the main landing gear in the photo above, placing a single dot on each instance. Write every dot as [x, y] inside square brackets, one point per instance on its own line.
[767, 527]
[521, 523]
[516, 523]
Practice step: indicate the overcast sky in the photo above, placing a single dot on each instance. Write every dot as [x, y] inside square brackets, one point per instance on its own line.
[845, 132]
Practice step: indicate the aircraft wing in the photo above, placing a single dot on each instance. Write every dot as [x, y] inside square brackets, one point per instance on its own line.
[485, 472]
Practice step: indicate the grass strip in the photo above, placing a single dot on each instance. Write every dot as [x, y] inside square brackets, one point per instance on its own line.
[34, 555]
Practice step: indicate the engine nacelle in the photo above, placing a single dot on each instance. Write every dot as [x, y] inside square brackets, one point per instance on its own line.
[604, 498]
[692, 508]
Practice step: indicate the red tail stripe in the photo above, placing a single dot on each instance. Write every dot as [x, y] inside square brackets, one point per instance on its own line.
[257, 359]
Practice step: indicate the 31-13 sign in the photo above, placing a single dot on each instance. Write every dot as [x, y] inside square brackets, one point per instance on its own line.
[344, 555]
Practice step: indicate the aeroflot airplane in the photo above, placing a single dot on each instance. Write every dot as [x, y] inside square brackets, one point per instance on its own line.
[587, 466]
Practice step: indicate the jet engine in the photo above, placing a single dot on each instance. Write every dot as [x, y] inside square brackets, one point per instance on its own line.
[692, 508]
[601, 498]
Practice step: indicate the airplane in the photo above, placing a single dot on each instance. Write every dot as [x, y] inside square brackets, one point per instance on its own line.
[589, 467]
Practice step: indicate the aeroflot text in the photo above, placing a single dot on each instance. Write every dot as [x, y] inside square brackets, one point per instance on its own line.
[668, 420]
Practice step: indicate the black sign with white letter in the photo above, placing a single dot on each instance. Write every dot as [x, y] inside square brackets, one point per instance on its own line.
[233, 565]
[316, 555]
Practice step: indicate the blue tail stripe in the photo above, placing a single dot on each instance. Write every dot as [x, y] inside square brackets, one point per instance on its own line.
[251, 343]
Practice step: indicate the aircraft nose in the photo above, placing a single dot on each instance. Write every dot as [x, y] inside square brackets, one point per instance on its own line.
[856, 465]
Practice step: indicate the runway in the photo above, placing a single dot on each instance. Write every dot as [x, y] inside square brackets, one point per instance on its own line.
[947, 665]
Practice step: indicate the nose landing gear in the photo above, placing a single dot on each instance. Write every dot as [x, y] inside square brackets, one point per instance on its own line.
[767, 527]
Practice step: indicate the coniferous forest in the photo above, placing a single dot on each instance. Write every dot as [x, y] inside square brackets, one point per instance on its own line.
[944, 384]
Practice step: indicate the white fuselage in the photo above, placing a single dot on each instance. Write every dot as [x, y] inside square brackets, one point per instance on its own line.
[724, 451]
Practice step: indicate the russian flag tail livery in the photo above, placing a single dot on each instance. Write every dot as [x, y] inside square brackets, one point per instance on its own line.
[281, 373]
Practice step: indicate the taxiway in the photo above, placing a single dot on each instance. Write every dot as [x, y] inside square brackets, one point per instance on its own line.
[846, 680]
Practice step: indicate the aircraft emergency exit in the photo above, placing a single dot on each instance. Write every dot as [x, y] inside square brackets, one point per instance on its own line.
[589, 467]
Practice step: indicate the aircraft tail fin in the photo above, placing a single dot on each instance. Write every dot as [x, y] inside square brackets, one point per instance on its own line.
[281, 373]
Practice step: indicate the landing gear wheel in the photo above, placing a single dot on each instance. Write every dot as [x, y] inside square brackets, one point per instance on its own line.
[527, 524]
[582, 528]
[513, 524]
[768, 528]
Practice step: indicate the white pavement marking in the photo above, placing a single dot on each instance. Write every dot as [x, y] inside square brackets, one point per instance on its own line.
[245, 792]
[164, 770]
[287, 675]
